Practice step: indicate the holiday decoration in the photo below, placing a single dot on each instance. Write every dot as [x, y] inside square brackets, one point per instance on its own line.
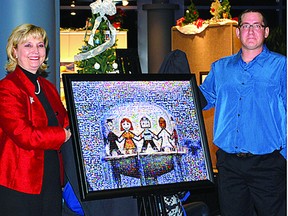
[190, 23]
[220, 10]
[117, 19]
[225, 10]
[190, 17]
[214, 9]
[191, 14]
[97, 55]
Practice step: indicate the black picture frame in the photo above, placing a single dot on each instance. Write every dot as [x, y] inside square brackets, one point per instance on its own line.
[93, 100]
[203, 75]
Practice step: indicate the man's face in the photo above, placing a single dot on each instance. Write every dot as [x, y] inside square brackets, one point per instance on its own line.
[252, 31]
[109, 126]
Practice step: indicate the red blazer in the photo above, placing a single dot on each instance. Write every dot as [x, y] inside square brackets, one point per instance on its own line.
[24, 134]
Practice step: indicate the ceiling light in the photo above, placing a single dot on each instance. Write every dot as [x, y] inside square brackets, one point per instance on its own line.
[72, 4]
[73, 13]
[125, 2]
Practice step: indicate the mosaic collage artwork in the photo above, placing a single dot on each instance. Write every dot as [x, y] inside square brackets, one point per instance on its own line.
[134, 134]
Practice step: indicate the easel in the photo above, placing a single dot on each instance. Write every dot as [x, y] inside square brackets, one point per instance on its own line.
[151, 205]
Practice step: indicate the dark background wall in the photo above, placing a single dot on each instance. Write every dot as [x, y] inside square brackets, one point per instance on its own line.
[275, 10]
[140, 29]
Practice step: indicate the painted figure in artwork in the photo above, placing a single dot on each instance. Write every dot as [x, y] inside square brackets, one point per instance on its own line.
[166, 142]
[112, 139]
[128, 136]
[174, 135]
[147, 135]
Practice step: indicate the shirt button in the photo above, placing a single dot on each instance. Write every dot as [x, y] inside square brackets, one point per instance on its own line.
[238, 115]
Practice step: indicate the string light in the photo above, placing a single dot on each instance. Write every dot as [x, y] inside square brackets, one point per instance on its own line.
[73, 13]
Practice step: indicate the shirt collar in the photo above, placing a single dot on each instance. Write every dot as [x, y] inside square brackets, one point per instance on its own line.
[260, 59]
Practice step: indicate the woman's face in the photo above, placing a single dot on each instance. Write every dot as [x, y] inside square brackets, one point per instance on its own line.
[30, 54]
[126, 125]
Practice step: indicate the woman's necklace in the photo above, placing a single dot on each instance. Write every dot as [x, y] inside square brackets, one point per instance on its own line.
[38, 87]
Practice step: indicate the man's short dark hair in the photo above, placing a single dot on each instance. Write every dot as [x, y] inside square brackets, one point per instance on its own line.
[254, 11]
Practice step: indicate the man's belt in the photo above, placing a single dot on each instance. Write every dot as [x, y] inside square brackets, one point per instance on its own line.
[243, 155]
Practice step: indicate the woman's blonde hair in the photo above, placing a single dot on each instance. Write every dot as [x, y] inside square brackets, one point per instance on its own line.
[20, 35]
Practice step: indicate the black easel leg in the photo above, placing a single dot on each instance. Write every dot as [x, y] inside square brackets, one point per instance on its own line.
[152, 206]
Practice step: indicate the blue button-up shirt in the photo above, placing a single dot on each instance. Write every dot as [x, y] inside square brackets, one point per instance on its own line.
[250, 103]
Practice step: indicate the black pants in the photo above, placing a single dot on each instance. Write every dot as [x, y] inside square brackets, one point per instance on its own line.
[145, 145]
[254, 185]
[47, 203]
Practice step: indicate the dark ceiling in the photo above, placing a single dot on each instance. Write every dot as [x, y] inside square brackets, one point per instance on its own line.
[87, 2]
[186, 2]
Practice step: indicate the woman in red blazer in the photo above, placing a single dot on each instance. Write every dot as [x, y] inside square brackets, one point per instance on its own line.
[32, 129]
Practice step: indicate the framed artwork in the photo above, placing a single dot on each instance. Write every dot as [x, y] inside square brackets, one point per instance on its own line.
[137, 135]
[203, 75]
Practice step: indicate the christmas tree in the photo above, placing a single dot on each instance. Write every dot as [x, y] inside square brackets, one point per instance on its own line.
[97, 55]
[224, 11]
[191, 14]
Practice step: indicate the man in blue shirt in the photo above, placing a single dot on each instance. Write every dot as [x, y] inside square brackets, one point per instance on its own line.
[248, 91]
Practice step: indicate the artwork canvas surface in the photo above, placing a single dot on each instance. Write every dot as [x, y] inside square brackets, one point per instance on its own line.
[135, 135]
